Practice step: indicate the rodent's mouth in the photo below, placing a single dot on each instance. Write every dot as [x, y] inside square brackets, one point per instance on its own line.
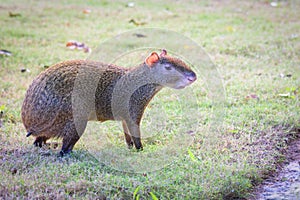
[191, 78]
[188, 81]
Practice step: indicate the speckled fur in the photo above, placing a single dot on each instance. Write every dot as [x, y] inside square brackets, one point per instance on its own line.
[47, 107]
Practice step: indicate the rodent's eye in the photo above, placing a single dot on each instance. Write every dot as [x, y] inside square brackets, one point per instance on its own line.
[168, 67]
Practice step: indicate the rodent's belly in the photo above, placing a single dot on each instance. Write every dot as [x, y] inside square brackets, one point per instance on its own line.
[93, 117]
[103, 118]
[99, 117]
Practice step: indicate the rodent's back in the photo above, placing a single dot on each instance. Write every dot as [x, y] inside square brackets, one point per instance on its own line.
[48, 101]
[61, 100]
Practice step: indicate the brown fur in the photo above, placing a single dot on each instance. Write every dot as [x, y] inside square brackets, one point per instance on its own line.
[47, 108]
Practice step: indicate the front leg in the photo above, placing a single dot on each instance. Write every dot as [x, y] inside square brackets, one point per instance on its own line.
[40, 140]
[128, 138]
[134, 130]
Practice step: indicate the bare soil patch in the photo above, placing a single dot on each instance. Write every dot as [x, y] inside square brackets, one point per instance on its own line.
[285, 182]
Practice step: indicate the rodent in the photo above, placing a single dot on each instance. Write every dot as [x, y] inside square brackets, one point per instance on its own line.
[63, 98]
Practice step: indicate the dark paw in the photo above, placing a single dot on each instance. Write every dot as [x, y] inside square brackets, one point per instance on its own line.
[63, 153]
[139, 148]
[137, 143]
[37, 144]
[40, 141]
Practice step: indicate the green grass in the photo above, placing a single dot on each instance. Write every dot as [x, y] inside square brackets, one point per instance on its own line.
[254, 46]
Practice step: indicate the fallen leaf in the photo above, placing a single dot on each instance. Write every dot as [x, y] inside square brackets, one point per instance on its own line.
[191, 133]
[72, 44]
[293, 36]
[5, 52]
[286, 95]
[25, 70]
[188, 47]
[285, 75]
[230, 29]
[87, 50]
[139, 35]
[167, 10]
[14, 14]
[130, 4]
[13, 171]
[78, 45]
[137, 23]
[252, 96]
[274, 4]
[87, 11]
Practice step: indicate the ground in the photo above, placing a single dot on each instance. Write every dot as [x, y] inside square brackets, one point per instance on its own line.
[284, 183]
[254, 46]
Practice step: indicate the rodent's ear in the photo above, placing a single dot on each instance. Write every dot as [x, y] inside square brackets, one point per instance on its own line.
[152, 58]
[163, 53]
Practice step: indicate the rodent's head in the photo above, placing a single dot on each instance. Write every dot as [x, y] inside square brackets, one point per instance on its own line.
[169, 71]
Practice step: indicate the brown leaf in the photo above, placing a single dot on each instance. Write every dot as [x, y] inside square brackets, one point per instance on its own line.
[137, 23]
[87, 11]
[252, 96]
[139, 35]
[14, 14]
[13, 171]
[78, 45]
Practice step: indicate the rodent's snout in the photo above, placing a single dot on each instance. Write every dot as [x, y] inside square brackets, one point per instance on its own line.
[191, 76]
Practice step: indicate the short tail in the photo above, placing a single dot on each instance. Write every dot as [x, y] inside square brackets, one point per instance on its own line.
[28, 134]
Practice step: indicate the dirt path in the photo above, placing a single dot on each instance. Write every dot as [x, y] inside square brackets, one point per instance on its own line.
[285, 184]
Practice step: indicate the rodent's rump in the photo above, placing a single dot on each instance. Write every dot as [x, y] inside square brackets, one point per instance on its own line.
[61, 100]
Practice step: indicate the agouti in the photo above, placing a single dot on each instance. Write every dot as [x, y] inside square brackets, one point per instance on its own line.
[62, 99]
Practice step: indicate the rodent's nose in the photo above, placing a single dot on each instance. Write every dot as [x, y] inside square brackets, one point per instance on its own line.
[191, 76]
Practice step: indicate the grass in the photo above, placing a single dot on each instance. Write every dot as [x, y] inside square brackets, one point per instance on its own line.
[256, 50]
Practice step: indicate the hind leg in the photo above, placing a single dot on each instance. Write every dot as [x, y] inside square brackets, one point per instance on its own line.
[71, 136]
[40, 140]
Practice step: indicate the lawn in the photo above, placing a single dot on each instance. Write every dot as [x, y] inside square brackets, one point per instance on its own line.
[238, 131]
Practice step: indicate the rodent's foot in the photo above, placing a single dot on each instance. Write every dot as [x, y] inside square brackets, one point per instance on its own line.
[139, 149]
[137, 143]
[39, 141]
[62, 153]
